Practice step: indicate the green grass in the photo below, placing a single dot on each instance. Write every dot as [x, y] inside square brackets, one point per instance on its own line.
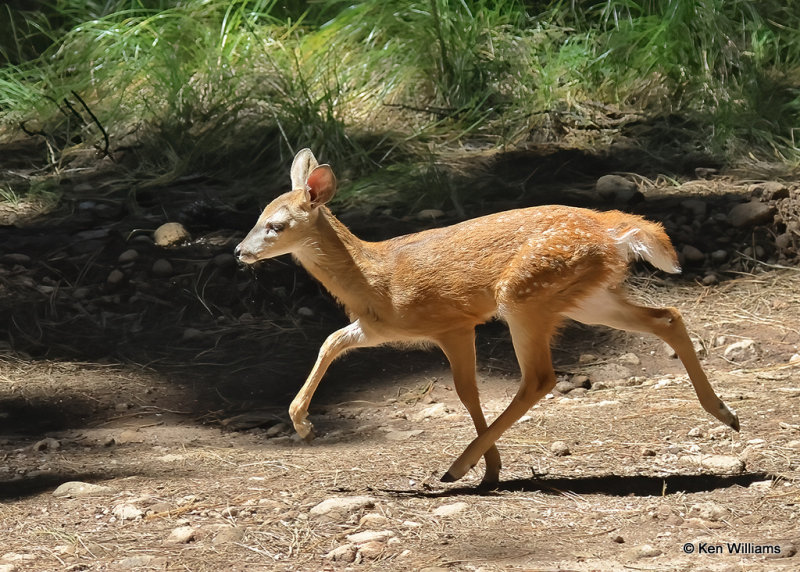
[234, 88]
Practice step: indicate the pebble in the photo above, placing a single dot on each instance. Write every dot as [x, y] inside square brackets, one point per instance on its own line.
[692, 254]
[162, 268]
[564, 386]
[609, 372]
[795, 359]
[129, 255]
[181, 535]
[115, 277]
[127, 511]
[365, 536]
[450, 509]
[229, 535]
[695, 432]
[373, 520]
[170, 234]
[644, 551]
[343, 553]
[615, 188]
[339, 507]
[277, 429]
[581, 380]
[629, 359]
[403, 435]
[430, 214]
[560, 449]
[79, 489]
[435, 411]
[717, 463]
[719, 255]
[750, 214]
[710, 511]
[371, 550]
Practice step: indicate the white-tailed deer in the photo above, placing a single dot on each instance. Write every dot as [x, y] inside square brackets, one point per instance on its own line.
[531, 267]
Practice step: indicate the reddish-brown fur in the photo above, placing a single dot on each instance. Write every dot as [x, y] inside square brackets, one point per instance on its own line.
[531, 267]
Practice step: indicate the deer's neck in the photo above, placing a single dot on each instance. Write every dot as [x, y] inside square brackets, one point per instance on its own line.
[344, 264]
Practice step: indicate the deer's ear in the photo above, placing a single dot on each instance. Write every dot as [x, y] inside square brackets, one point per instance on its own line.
[304, 162]
[321, 185]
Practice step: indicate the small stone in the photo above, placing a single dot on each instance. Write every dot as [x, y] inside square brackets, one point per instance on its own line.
[336, 507]
[277, 429]
[783, 241]
[430, 214]
[47, 444]
[614, 187]
[79, 489]
[129, 255]
[229, 535]
[127, 511]
[751, 214]
[584, 359]
[564, 386]
[560, 449]
[371, 550]
[305, 311]
[705, 172]
[435, 411]
[450, 509]
[769, 190]
[719, 255]
[644, 551]
[365, 536]
[692, 254]
[190, 334]
[616, 538]
[795, 359]
[629, 359]
[710, 279]
[717, 463]
[403, 435]
[794, 444]
[115, 277]
[741, 351]
[225, 260]
[181, 535]
[581, 380]
[162, 268]
[648, 452]
[170, 234]
[695, 432]
[343, 553]
[373, 520]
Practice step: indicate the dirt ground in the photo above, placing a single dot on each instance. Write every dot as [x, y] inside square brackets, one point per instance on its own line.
[194, 466]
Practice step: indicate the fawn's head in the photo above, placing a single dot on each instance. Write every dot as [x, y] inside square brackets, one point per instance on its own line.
[285, 223]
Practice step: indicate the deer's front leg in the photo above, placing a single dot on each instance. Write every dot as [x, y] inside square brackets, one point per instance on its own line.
[351, 336]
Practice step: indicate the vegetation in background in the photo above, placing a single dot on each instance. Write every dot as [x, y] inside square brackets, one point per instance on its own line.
[235, 87]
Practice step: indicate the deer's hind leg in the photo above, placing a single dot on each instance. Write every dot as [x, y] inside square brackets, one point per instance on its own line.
[459, 347]
[531, 330]
[609, 307]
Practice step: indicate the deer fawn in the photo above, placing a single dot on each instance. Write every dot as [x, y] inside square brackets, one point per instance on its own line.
[531, 267]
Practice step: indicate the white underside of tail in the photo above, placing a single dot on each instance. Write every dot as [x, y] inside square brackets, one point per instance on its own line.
[636, 244]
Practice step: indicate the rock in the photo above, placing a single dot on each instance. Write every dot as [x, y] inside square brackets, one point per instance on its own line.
[717, 463]
[751, 214]
[229, 535]
[560, 449]
[170, 234]
[359, 538]
[16, 258]
[225, 261]
[783, 241]
[708, 511]
[181, 535]
[371, 550]
[79, 489]
[127, 511]
[343, 553]
[648, 452]
[373, 520]
[629, 359]
[719, 255]
[695, 432]
[129, 255]
[277, 429]
[47, 444]
[692, 255]
[403, 435]
[435, 411]
[305, 311]
[741, 351]
[795, 359]
[616, 188]
[608, 372]
[429, 214]
[581, 380]
[564, 386]
[450, 509]
[115, 277]
[162, 268]
[143, 561]
[190, 334]
[644, 551]
[341, 507]
[705, 172]
[616, 538]
[710, 279]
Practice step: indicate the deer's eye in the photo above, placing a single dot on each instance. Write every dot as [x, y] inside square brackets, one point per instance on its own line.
[276, 226]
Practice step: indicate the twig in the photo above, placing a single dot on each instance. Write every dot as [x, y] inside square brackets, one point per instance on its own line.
[96, 121]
